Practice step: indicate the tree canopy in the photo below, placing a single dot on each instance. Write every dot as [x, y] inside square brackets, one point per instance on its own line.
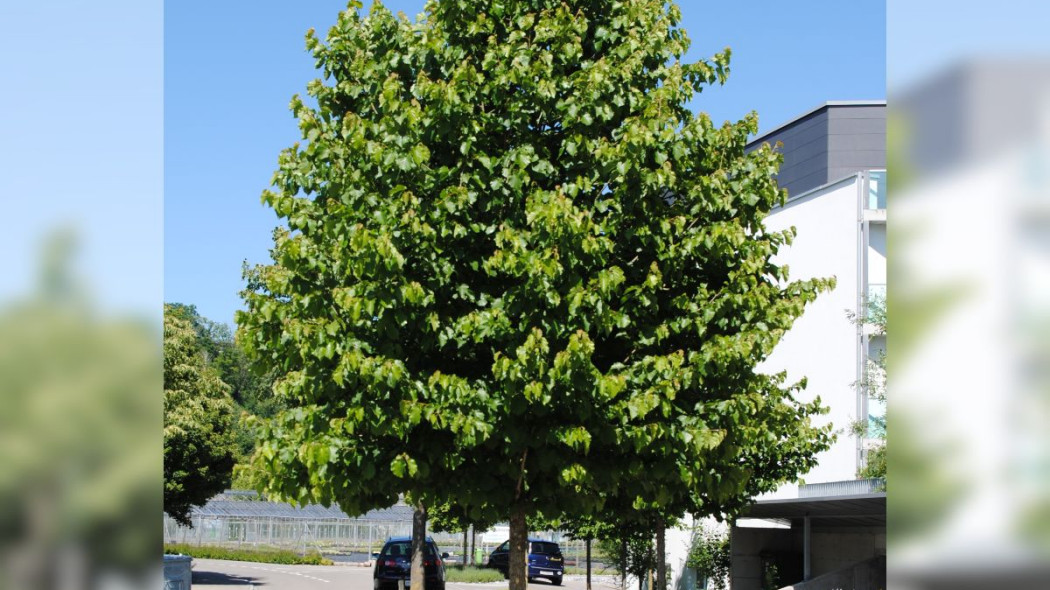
[518, 269]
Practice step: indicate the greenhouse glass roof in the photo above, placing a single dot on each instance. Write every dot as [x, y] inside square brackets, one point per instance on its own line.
[247, 505]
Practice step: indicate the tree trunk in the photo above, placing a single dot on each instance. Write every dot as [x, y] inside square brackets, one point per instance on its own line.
[661, 556]
[623, 565]
[464, 560]
[649, 573]
[519, 549]
[419, 534]
[473, 543]
[588, 545]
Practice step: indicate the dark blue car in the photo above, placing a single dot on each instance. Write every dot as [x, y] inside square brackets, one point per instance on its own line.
[545, 560]
[394, 563]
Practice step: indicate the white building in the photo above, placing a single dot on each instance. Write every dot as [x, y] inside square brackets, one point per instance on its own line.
[834, 172]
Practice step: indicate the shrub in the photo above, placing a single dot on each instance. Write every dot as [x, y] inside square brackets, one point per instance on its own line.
[709, 555]
[470, 574]
[280, 556]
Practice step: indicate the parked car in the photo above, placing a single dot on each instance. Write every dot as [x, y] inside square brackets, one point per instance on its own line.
[545, 560]
[394, 563]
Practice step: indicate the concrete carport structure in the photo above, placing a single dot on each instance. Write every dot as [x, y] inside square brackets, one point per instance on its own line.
[811, 543]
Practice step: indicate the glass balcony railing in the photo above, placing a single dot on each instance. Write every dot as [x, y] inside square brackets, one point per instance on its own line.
[876, 189]
[876, 291]
[875, 314]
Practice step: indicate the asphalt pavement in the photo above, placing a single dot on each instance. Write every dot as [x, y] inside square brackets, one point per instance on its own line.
[230, 575]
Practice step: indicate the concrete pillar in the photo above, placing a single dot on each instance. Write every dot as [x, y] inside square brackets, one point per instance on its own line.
[806, 544]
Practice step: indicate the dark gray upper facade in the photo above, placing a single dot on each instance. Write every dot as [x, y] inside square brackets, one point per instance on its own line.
[831, 142]
[971, 113]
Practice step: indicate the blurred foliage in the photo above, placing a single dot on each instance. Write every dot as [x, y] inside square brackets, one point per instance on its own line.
[79, 406]
[199, 443]
[926, 486]
[924, 490]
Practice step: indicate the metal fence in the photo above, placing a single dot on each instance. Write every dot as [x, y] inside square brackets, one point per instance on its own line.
[338, 536]
[241, 520]
[842, 488]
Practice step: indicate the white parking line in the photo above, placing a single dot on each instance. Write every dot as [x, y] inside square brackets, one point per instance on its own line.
[288, 571]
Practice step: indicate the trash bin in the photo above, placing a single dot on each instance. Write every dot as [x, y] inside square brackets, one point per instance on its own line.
[178, 574]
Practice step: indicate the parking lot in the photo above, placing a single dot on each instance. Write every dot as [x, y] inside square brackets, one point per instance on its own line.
[216, 574]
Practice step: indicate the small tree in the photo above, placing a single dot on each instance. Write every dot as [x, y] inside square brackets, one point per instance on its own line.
[199, 443]
[709, 555]
[452, 517]
[631, 547]
[588, 528]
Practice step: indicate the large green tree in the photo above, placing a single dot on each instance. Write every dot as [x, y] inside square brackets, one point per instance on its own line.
[517, 268]
[199, 440]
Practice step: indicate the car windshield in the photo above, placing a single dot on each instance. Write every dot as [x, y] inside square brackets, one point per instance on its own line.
[542, 548]
[404, 549]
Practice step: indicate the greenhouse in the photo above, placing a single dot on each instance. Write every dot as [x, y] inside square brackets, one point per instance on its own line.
[243, 520]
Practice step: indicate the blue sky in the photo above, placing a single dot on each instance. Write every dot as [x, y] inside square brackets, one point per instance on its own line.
[81, 138]
[230, 69]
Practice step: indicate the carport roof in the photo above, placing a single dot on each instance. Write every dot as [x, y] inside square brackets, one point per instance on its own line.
[829, 511]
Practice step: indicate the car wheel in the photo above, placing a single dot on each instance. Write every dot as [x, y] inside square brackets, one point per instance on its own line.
[556, 580]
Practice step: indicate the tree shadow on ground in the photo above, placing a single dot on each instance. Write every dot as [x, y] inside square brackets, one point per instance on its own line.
[218, 579]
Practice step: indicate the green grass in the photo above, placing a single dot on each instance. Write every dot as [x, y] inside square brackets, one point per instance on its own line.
[280, 556]
[457, 573]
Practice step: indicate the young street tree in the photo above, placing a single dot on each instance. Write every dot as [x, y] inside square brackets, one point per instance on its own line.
[517, 267]
[452, 517]
[199, 437]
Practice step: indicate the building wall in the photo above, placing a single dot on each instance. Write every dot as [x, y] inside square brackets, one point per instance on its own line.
[834, 550]
[856, 139]
[805, 150]
[830, 550]
[747, 547]
[829, 144]
[877, 254]
[676, 546]
[822, 345]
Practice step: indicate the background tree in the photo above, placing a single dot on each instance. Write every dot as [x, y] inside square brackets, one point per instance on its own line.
[630, 545]
[709, 555]
[587, 528]
[452, 517]
[250, 391]
[511, 248]
[199, 443]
